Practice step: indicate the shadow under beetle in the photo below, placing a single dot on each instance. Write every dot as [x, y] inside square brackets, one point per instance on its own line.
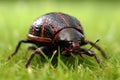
[58, 29]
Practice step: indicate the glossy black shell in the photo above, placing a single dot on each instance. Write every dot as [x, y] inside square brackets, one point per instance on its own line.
[47, 25]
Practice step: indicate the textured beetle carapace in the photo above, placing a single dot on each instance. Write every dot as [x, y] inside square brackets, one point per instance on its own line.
[57, 29]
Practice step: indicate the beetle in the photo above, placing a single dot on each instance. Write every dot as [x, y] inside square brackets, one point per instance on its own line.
[58, 29]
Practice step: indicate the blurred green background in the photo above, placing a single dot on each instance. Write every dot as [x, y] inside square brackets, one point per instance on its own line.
[100, 19]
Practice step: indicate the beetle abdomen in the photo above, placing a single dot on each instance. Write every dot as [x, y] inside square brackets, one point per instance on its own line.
[48, 24]
[41, 31]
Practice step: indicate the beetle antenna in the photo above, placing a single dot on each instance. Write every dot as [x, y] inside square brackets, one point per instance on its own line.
[94, 43]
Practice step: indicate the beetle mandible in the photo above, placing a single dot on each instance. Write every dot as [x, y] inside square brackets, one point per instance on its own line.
[58, 29]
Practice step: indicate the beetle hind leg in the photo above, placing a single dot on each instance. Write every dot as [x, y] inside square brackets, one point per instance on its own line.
[37, 51]
[31, 47]
[31, 57]
[17, 47]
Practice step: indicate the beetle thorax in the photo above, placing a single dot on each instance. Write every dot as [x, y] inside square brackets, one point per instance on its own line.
[69, 34]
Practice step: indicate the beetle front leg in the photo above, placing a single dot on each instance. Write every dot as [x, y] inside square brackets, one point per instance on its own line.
[18, 46]
[97, 47]
[89, 53]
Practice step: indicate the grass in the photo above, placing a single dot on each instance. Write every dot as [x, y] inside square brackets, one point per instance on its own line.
[100, 21]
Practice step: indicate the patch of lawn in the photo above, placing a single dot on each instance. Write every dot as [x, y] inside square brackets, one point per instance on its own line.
[100, 21]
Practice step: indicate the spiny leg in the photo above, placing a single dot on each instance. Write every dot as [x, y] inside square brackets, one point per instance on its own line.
[37, 51]
[89, 53]
[18, 46]
[97, 47]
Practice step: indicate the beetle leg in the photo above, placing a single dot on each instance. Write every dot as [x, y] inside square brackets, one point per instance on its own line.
[64, 52]
[97, 47]
[32, 47]
[90, 53]
[37, 51]
[80, 53]
[68, 51]
[18, 46]
[72, 54]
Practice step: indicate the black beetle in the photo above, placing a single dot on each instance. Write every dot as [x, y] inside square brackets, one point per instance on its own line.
[58, 29]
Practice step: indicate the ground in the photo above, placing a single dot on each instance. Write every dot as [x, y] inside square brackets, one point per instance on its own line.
[100, 21]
